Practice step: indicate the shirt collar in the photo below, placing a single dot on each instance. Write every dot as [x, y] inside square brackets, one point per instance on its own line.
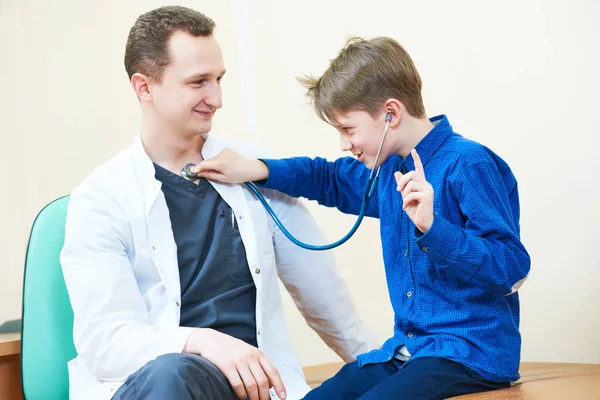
[427, 147]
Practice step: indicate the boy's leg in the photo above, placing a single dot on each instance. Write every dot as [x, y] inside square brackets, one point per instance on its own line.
[352, 382]
[177, 376]
[429, 379]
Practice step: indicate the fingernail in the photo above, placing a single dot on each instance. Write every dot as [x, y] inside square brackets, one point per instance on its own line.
[282, 395]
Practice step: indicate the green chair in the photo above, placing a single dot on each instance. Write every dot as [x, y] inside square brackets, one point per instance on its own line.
[47, 330]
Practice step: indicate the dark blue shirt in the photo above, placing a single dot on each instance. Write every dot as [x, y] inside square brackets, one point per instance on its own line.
[452, 289]
[217, 290]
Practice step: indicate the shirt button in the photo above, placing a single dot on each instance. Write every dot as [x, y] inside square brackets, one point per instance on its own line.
[425, 249]
[409, 294]
[153, 248]
[257, 270]
[405, 253]
[410, 334]
[240, 216]
[258, 332]
[177, 303]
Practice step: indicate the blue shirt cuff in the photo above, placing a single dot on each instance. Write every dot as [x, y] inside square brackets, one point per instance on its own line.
[279, 174]
[442, 241]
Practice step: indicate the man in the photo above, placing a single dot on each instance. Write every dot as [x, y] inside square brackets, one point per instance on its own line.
[173, 282]
[449, 214]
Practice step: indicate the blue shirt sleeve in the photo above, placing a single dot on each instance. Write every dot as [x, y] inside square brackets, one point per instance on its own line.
[487, 251]
[339, 184]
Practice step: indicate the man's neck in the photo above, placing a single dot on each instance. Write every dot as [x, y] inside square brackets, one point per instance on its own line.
[168, 148]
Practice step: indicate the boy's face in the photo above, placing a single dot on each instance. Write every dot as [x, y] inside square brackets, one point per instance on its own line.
[189, 92]
[361, 134]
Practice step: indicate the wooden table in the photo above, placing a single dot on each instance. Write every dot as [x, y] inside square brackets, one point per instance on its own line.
[544, 381]
[10, 366]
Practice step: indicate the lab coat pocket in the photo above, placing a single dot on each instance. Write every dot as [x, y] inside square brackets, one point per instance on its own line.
[237, 263]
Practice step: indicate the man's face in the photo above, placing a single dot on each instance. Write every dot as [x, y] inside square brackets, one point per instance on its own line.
[189, 92]
[361, 134]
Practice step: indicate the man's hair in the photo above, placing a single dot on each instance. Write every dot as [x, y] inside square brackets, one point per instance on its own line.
[147, 49]
[363, 76]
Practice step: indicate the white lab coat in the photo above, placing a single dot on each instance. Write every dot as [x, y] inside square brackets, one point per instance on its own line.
[120, 267]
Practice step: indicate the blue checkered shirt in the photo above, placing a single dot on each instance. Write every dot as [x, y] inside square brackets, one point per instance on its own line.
[453, 289]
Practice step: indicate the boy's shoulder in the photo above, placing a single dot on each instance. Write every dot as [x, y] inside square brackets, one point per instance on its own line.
[468, 152]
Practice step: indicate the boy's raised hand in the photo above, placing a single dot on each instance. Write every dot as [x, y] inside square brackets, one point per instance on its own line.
[417, 195]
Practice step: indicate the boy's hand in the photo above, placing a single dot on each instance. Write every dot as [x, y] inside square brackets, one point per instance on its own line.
[249, 372]
[230, 167]
[417, 195]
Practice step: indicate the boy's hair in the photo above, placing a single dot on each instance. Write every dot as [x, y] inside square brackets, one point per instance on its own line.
[147, 50]
[363, 76]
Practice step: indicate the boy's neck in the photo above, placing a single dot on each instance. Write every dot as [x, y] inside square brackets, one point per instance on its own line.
[410, 133]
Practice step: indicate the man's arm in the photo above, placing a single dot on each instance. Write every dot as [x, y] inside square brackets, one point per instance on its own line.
[311, 278]
[111, 329]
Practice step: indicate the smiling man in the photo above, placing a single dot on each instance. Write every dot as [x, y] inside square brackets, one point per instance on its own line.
[173, 282]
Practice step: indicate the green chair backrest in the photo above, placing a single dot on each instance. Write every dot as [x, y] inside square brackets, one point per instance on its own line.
[47, 332]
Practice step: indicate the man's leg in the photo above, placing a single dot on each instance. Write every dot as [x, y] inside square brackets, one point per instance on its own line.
[352, 382]
[431, 379]
[177, 376]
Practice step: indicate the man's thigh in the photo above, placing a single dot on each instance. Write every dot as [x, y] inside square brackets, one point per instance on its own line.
[429, 379]
[177, 376]
[352, 382]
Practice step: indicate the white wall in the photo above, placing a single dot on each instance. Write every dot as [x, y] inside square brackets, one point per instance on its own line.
[518, 76]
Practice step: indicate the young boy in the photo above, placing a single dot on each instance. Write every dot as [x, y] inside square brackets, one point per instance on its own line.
[449, 214]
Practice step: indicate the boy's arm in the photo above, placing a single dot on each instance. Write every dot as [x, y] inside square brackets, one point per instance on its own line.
[338, 184]
[487, 251]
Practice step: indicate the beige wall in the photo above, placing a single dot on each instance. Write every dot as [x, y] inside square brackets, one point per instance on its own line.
[518, 76]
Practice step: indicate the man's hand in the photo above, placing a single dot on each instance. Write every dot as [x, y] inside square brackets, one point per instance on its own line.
[417, 195]
[230, 167]
[249, 372]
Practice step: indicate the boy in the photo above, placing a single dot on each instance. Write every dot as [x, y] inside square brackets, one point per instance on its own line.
[449, 214]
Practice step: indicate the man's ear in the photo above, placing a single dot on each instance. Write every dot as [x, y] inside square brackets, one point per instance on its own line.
[397, 111]
[141, 86]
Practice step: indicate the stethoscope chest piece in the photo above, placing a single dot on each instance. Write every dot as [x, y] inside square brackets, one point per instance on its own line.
[187, 174]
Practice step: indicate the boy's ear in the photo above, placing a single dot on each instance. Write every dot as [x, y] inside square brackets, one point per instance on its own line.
[395, 111]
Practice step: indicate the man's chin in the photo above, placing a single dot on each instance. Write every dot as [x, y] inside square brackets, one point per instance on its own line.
[202, 129]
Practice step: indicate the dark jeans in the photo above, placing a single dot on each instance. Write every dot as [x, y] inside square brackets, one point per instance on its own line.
[177, 376]
[422, 378]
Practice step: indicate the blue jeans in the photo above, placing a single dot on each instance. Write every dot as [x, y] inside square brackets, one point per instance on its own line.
[177, 376]
[422, 378]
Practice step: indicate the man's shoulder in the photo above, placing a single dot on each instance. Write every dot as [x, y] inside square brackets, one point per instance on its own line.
[109, 176]
[246, 149]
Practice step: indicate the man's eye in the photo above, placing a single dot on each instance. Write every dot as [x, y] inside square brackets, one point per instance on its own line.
[199, 83]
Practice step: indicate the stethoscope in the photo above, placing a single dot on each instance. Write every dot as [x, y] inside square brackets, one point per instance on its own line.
[370, 188]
